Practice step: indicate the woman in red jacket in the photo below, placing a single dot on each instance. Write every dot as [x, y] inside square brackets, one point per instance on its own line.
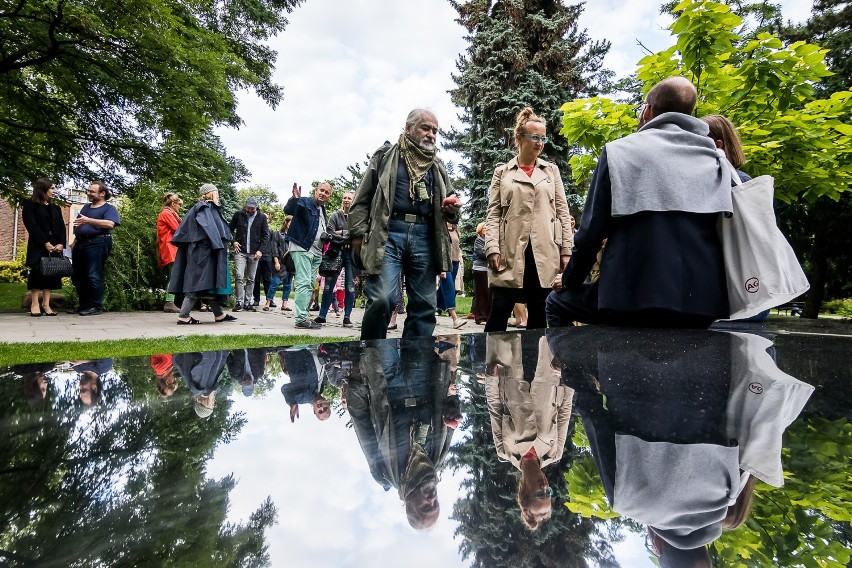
[167, 224]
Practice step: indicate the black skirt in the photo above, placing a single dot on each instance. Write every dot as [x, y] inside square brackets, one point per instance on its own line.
[35, 280]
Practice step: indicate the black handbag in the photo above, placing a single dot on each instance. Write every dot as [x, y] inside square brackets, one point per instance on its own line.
[331, 265]
[55, 266]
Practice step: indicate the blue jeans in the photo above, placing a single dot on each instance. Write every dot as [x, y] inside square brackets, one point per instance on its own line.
[447, 291]
[88, 259]
[274, 282]
[287, 286]
[348, 286]
[409, 251]
[307, 264]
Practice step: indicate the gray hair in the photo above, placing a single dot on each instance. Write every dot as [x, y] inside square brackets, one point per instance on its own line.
[415, 115]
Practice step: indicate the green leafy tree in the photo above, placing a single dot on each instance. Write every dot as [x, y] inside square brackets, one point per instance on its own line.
[765, 87]
[131, 491]
[96, 90]
[822, 227]
[521, 53]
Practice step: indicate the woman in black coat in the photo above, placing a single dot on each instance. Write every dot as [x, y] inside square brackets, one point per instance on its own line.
[47, 235]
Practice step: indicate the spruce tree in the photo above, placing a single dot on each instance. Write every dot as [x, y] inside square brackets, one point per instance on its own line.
[521, 53]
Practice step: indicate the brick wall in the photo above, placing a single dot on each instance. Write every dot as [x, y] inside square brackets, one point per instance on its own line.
[7, 230]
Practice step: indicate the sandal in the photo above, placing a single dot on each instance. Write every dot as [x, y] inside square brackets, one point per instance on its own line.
[286, 309]
[228, 317]
[190, 321]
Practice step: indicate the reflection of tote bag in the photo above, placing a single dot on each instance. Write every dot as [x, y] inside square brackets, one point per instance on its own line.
[762, 269]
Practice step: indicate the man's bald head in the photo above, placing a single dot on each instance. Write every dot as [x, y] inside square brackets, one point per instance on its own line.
[673, 94]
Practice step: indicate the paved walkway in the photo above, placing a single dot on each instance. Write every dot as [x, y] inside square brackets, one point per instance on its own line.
[22, 328]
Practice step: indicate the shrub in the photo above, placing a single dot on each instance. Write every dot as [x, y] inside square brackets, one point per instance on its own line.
[841, 307]
[133, 280]
[14, 271]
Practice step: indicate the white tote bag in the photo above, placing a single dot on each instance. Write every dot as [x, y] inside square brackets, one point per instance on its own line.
[762, 269]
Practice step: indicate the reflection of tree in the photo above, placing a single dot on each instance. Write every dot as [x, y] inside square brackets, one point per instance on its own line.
[123, 483]
[806, 522]
[489, 519]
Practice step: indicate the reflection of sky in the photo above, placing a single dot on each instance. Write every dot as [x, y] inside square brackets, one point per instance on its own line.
[330, 510]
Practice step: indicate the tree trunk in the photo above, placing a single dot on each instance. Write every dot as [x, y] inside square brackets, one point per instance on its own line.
[819, 276]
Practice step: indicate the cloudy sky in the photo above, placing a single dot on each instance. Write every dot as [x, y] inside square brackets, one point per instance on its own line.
[352, 70]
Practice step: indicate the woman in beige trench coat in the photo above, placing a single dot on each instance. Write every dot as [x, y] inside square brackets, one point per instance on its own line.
[528, 235]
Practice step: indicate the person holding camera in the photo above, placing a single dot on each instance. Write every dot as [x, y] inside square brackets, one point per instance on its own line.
[307, 230]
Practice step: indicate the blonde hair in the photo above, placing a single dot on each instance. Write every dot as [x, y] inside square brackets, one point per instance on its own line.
[529, 519]
[738, 512]
[526, 115]
[723, 129]
[170, 198]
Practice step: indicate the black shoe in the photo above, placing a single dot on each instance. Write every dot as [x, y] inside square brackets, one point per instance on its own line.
[273, 305]
[314, 308]
[319, 320]
[237, 307]
[90, 312]
[249, 308]
[347, 322]
[308, 324]
[256, 304]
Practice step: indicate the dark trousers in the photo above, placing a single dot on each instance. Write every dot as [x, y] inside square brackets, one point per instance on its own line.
[89, 259]
[567, 306]
[531, 294]
[481, 306]
[264, 275]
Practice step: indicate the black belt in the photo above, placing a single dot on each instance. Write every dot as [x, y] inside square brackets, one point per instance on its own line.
[410, 218]
[85, 238]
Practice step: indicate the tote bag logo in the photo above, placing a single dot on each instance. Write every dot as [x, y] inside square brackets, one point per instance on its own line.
[752, 285]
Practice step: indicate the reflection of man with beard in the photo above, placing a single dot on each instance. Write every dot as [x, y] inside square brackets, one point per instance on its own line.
[404, 419]
[530, 413]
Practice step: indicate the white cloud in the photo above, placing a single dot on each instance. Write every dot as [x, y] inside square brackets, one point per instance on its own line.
[331, 513]
[352, 70]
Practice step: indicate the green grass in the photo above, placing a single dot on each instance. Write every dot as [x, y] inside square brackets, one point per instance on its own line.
[10, 294]
[20, 353]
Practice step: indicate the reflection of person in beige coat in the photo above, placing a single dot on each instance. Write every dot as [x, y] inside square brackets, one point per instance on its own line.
[528, 236]
[530, 412]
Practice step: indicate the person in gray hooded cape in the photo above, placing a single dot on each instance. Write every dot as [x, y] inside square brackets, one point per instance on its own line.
[200, 372]
[200, 269]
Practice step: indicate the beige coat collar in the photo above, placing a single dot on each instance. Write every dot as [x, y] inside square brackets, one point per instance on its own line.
[517, 174]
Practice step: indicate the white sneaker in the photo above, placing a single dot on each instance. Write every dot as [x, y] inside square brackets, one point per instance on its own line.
[458, 323]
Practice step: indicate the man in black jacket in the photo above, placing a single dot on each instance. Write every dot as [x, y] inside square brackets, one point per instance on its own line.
[251, 233]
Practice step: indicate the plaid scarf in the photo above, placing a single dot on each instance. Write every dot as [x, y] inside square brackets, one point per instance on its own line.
[419, 470]
[417, 162]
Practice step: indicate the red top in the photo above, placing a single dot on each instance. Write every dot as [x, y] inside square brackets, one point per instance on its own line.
[167, 224]
[527, 169]
[161, 364]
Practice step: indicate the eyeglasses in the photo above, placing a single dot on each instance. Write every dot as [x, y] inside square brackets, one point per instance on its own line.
[640, 108]
[536, 138]
[545, 493]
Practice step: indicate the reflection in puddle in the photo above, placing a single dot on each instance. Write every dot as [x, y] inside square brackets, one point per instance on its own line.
[446, 450]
